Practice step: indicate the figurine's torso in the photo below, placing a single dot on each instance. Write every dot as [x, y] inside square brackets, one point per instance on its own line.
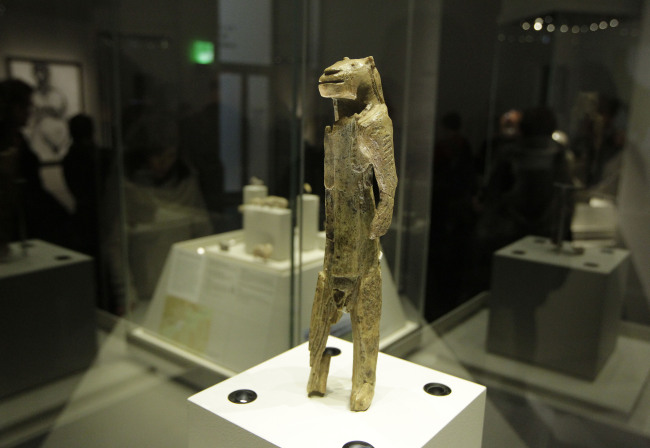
[351, 208]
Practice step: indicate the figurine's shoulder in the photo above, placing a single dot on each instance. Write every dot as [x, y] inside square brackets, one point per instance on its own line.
[343, 124]
[374, 115]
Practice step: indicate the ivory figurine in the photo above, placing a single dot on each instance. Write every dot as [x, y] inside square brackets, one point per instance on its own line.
[358, 151]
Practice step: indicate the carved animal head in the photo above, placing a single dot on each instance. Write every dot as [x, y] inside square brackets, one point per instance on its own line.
[352, 79]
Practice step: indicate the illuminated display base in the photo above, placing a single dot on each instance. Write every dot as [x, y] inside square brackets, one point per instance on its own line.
[402, 414]
[215, 299]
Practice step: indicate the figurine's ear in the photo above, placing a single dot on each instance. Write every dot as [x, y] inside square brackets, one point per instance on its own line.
[346, 58]
[371, 60]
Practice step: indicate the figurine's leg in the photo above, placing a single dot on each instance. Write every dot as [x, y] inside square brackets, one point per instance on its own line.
[323, 314]
[365, 315]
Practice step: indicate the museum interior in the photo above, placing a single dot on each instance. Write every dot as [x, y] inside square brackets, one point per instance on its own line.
[163, 196]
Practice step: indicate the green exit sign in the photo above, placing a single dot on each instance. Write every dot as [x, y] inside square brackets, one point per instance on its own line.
[202, 52]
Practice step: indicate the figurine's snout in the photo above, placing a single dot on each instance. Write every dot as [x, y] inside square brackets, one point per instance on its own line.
[329, 76]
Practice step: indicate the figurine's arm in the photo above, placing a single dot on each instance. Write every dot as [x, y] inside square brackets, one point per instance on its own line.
[379, 149]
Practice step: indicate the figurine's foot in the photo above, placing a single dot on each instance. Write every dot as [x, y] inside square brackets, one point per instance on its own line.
[360, 399]
[316, 385]
[315, 388]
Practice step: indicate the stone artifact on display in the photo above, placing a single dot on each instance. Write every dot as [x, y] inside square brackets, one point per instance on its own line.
[358, 149]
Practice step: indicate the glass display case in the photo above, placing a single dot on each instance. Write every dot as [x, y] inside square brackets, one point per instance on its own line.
[162, 165]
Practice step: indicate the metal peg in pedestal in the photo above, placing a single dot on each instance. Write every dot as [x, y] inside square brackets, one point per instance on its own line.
[565, 193]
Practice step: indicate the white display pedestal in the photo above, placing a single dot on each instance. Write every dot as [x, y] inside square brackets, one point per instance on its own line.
[556, 310]
[402, 414]
[267, 225]
[236, 309]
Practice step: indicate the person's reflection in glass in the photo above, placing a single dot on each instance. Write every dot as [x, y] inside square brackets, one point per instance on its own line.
[161, 178]
[454, 185]
[522, 200]
[163, 205]
[520, 197]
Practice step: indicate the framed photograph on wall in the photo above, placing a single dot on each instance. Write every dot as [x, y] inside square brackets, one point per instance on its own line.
[58, 95]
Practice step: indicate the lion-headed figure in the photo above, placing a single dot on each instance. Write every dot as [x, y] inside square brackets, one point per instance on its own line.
[354, 80]
[358, 154]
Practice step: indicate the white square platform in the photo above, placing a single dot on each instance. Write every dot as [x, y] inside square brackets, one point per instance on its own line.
[402, 414]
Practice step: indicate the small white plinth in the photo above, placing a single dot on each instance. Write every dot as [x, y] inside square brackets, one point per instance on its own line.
[268, 225]
[402, 414]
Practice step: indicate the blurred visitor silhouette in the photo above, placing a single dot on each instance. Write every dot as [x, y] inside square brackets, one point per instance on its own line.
[454, 185]
[508, 134]
[83, 178]
[26, 209]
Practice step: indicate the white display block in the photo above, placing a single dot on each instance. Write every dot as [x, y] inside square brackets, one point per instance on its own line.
[310, 204]
[556, 310]
[402, 414]
[255, 192]
[268, 225]
[217, 300]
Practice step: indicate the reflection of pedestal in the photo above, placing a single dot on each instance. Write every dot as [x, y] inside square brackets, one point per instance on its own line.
[148, 245]
[402, 414]
[556, 310]
[47, 311]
